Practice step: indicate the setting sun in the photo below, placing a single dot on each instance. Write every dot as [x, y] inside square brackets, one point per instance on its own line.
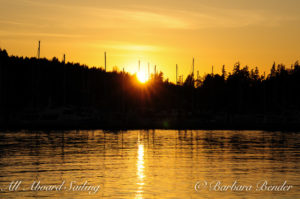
[142, 77]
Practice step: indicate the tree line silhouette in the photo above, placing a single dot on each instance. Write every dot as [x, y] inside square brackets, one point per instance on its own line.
[40, 89]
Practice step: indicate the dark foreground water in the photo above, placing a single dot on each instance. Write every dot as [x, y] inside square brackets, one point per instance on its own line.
[149, 164]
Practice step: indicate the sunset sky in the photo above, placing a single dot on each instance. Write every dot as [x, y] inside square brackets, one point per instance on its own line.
[164, 33]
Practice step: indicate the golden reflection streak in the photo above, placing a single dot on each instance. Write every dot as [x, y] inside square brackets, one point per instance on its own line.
[140, 162]
[140, 170]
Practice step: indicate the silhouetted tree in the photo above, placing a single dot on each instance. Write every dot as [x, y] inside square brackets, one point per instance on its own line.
[30, 86]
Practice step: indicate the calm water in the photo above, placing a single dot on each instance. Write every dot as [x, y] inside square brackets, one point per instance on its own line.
[149, 164]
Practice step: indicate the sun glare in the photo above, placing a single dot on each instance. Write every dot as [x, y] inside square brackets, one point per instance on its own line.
[142, 77]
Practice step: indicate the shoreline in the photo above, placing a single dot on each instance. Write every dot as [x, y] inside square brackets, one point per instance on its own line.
[58, 120]
[93, 125]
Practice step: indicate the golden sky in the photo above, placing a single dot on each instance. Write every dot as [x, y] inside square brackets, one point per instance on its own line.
[161, 32]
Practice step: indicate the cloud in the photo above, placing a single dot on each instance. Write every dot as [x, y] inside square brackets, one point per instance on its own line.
[231, 18]
[203, 17]
[127, 18]
[15, 23]
[119, 45]
[38, 34]
[59, 15]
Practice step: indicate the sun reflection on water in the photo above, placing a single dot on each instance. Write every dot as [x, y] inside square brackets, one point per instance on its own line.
[140, 162]
[140, 170]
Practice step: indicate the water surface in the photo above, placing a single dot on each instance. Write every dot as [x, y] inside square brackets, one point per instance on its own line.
[149, 164]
